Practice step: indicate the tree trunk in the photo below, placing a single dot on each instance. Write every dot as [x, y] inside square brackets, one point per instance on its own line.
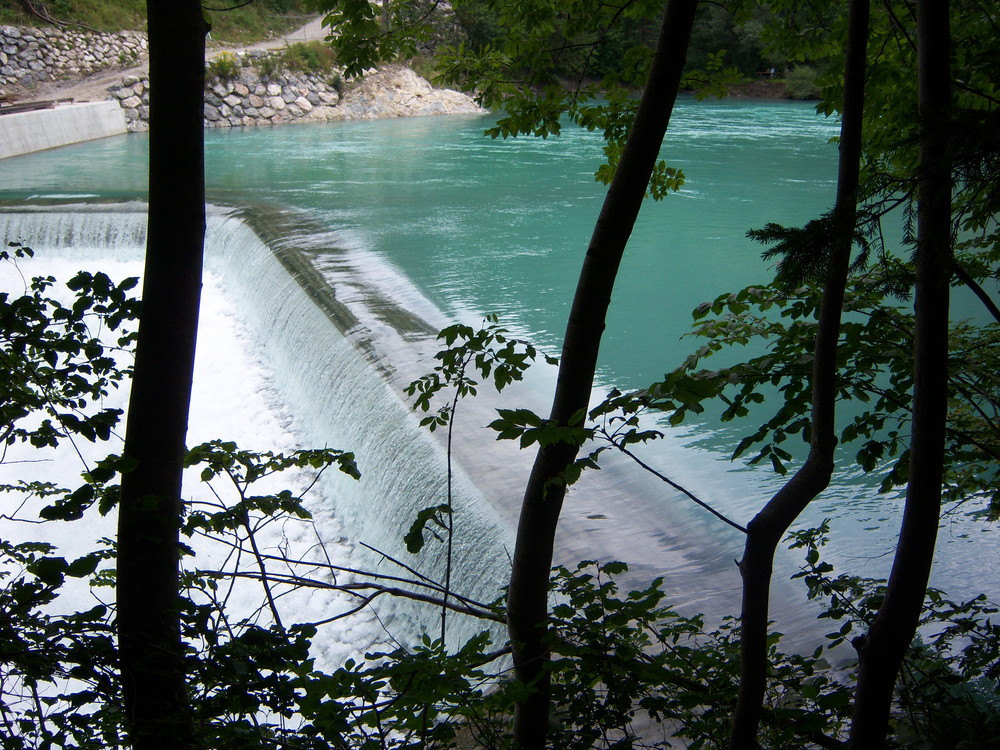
[765, 531]
[882, 650]
[527, 606]
[151, 659]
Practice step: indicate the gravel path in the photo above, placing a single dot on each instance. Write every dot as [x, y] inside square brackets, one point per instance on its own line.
[95, 87]
[310, 32]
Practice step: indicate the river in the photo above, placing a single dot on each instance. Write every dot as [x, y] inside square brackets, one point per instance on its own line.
[425, 219]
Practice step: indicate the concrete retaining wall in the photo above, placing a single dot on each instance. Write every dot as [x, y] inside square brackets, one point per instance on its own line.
[24, 132]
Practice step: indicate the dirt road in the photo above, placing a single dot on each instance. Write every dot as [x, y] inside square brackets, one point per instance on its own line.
[95, 87]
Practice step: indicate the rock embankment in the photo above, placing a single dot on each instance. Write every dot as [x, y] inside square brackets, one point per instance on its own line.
[246, 100]
[29, 56]
[259, 91]
[253, 98]
[396, 91]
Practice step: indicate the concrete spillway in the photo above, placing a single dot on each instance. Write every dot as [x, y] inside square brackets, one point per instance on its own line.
[26, 132]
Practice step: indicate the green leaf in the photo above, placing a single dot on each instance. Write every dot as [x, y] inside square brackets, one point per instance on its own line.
[414, 538]
[49, 570]
[84, 566]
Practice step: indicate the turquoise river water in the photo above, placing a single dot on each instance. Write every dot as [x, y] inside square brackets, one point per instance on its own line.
[467, 225]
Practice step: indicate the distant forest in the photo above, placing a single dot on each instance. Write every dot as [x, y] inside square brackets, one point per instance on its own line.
[719, 40]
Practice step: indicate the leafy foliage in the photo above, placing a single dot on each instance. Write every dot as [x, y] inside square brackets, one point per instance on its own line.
[54, 359]
[617, 658]
[490, 351]
[495, 356]
[949, 688]
[254, 681]
[875, 373]
[800, 83]
[814, 35]
[60, 683]
[369, 34]
[517, 59]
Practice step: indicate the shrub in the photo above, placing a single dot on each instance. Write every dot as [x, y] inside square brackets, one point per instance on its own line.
[225, 66]
[337, 83]
[269, 66]
[800, 83]
[308, 57]
[127, 59]
[424, 66]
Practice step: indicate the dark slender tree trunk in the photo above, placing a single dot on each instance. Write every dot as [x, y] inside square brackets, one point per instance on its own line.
[527, 609]
[881, 651]
[765, 531]
[151, 658]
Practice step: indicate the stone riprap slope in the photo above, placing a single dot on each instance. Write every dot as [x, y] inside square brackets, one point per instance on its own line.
[252, 98]
[34, 59]
[249, 99]
[29, 56]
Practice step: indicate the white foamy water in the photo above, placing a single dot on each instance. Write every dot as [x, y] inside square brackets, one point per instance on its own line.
[334, 339]
[233, 399]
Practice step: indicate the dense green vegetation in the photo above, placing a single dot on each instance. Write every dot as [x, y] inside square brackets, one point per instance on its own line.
[596, 53]
[103, 16]
[615, 655]
[719, 38]
[476, 23]
[231, 21]
[260, 19]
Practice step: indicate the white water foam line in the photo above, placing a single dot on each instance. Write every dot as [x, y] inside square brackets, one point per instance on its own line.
[330, 395]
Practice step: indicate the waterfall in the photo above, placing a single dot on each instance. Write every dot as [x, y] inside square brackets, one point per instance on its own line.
[334, 394]
[340, 400]
[115, 232]
[341, 332]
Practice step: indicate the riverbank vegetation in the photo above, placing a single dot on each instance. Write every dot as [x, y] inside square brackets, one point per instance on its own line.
[849, 318]
[757, 70]
[241, 23]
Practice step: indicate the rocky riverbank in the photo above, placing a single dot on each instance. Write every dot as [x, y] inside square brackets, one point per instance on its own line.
[31, 56]
[252, 98]
[49, 63]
